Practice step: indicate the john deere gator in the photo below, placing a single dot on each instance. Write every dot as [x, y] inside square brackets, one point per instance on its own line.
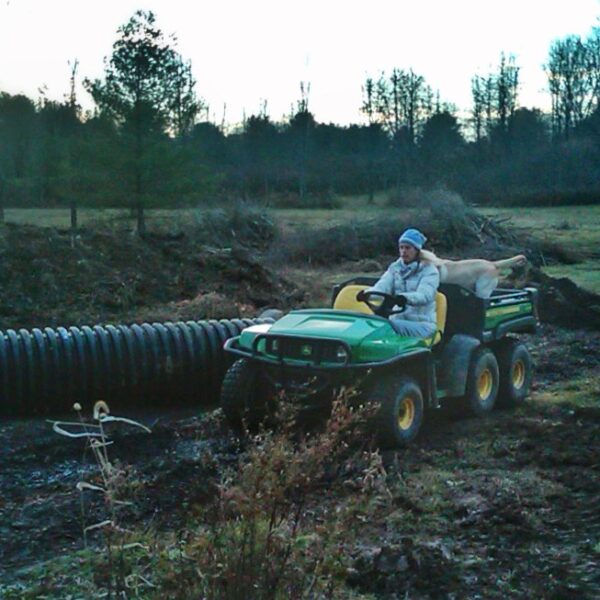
[475, 360]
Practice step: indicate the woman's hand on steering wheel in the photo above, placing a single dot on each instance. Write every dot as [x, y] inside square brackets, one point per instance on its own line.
[382, 304]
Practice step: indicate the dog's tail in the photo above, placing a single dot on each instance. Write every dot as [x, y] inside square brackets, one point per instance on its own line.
[508, 263]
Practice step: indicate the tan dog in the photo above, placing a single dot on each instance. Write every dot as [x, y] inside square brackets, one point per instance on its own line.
[476, 274]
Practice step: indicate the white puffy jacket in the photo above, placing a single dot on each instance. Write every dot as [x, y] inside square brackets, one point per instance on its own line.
[418, 281]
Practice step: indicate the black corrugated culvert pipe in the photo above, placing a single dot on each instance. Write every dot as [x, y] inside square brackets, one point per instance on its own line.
[155, 364]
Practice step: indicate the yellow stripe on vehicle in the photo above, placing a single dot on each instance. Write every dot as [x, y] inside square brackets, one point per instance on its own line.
[506, 310]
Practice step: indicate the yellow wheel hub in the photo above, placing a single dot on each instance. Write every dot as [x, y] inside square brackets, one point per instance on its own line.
[518, 374]
[485, 384]
[406, 415]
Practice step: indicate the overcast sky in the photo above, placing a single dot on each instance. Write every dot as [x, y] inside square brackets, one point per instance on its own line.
[247, 51]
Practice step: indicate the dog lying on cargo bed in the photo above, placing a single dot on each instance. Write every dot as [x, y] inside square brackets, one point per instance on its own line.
[476, 274]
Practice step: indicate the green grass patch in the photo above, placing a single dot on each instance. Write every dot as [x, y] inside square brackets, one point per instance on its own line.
[579, 392]
[585, 274]
[71, 575]
[60, 218]
[575, 227]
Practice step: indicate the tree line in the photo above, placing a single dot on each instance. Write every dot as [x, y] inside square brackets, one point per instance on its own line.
[146, 144]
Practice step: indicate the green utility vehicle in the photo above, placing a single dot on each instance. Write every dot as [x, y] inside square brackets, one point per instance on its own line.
[474, 360]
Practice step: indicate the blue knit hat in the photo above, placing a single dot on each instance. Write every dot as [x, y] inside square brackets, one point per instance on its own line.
[413, 237]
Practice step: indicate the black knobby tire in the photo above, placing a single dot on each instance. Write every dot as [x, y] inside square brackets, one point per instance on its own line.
[400, 414]
[245, 398]
[516, 373]
[482, 382]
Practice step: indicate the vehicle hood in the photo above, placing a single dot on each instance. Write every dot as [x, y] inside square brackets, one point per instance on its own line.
[371, 338]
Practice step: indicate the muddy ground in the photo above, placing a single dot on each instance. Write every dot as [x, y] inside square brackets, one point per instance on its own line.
[507, 506]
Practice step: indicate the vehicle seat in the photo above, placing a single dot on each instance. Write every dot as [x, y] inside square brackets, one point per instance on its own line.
[441, 310]
[346, 300]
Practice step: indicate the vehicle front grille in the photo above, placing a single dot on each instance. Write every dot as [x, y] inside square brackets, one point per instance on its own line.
[304, 349]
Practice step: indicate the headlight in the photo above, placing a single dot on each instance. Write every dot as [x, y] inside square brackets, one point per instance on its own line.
[275, 345]
[341, 353]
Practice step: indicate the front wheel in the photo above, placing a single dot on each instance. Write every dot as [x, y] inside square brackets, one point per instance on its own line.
[482, 382]
[400, 412]
[246, 399]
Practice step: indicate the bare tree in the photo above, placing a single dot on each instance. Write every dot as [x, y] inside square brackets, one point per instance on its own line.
[368, 104]
[300, 130]
[507, 84]
[593, 68]
[402, 101]
[478, 111]
[495, 98]
[184, 104]
[76, 111]
[570, 84]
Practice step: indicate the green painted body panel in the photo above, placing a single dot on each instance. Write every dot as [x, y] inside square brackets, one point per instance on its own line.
[247, 336]
[371, 339]
[499, 314]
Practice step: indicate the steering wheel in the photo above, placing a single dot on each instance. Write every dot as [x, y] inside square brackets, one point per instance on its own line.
[382, 304]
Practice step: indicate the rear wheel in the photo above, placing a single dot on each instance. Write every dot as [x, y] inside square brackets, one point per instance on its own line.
[246, 398]
[482, 382]
[516, 373]
[400, 413]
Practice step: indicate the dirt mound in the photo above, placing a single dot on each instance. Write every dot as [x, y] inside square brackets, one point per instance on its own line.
[562, 302]
[106, 275]
[240, 273]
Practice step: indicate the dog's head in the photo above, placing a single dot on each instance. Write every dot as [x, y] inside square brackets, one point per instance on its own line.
[430, 257]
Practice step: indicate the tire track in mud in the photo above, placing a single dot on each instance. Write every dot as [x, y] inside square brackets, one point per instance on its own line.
[518, 506]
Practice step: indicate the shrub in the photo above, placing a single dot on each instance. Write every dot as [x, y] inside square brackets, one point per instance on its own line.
[564, 225]
[240, 222]
[448, 223]
[452, 223]
[413, 197]
[270, 534]
[284, 522]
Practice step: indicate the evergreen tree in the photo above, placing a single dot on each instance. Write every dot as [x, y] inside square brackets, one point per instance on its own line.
[18, 137]
[441, 149]
[260, 153]
[148, 92]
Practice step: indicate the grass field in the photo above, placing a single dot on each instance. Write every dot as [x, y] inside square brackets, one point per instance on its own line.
[577, 228]
[353, 208]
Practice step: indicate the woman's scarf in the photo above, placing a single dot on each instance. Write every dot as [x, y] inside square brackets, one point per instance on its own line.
[406, 270]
